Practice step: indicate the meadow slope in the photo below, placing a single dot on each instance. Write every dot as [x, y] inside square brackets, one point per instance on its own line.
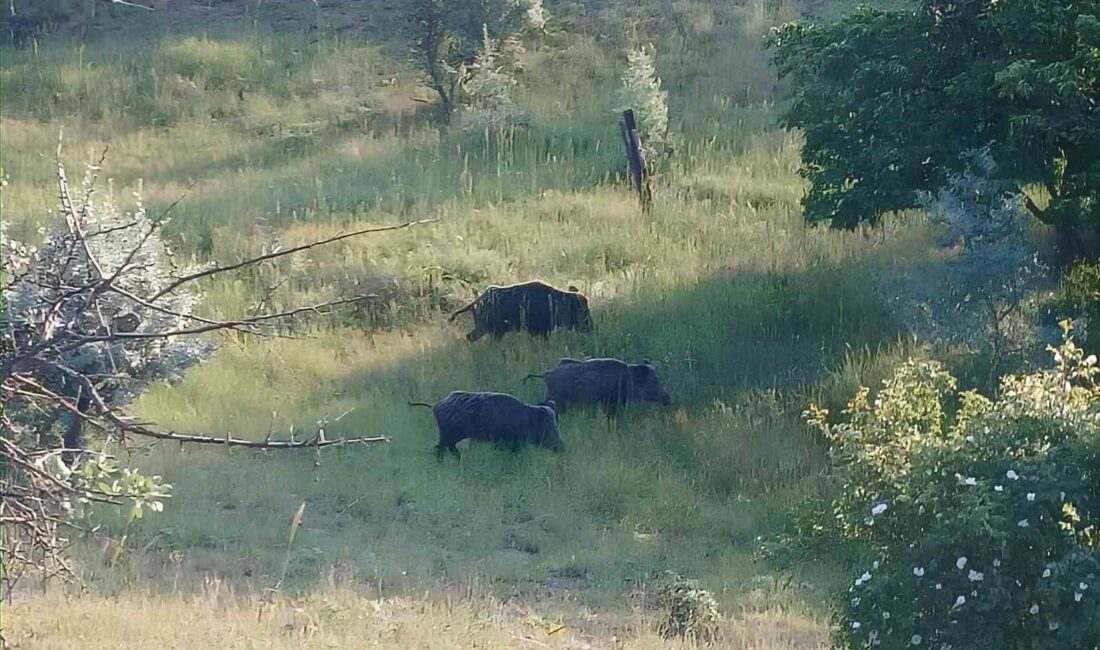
[296, 133]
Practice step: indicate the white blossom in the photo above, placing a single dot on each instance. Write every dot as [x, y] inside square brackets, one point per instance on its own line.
[1046, 573]
[1030, 496]
[1023, 523]
[998, 488]
[918, 571]
[959, 602]
[970, 480]
[879, 509]
[960, 563]
[975, 576]
[1077, 595]
[996, 563]
[1034, 610]
[915, 639]
[1012, 475]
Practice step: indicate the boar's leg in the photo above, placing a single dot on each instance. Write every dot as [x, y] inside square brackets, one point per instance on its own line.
[441, 447]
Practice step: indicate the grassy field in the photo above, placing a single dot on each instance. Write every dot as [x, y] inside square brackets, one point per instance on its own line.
[748, 314]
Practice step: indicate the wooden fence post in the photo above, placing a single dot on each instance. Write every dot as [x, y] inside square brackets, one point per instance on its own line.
[639, 175]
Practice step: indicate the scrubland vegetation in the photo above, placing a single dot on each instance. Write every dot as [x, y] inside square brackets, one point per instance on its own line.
[285, 122]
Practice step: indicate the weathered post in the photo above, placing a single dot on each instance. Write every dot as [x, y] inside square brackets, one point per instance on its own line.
[639, 175]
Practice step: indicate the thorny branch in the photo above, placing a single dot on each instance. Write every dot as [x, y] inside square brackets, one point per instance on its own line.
[87, 321]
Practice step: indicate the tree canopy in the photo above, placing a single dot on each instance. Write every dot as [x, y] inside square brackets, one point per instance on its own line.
[889, 99]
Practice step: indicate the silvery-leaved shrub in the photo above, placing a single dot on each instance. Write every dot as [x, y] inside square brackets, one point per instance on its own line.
[125, 244]
[641, 90]
[979, 517]
[489, 106]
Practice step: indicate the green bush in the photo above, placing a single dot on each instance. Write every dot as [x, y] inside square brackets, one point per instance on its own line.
[979, 516]
[1081, 292]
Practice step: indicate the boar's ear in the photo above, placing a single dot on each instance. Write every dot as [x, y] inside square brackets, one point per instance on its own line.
[550, 404]
[574, 289]
[641, 370]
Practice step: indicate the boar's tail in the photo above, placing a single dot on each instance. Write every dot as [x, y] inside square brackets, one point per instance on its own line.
[542, 376]
[420, 404]
[462, 311]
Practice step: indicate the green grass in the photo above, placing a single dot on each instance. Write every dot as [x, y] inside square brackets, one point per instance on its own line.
[748, 313]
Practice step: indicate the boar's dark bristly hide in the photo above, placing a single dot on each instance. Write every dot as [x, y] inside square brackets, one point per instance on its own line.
[535, 307]
[496, 417]
[610, 383]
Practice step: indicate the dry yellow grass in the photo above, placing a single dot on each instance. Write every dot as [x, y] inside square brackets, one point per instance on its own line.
[339, 618]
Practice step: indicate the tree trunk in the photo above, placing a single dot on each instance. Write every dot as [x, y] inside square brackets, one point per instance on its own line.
[73, 438]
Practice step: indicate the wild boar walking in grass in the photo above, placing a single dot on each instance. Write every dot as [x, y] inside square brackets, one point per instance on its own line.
[610, 383]
[535, 307]
[496, 417]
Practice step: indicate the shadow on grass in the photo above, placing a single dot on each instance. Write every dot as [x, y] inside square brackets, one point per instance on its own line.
[687, 489]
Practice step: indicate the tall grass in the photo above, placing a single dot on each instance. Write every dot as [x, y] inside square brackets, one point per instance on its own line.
[746, 312]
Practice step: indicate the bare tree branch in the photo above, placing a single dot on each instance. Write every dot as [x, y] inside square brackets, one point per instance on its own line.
[261, 258]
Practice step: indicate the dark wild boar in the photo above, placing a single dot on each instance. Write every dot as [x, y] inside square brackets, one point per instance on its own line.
[535, 307]
[608, 382]
[496, 417]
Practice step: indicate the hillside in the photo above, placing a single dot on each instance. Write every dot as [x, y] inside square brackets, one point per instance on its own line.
[288, 121]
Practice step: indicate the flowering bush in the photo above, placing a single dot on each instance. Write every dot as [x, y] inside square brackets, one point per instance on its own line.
[980, 515]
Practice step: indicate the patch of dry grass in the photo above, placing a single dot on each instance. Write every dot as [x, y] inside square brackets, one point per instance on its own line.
[340, 618]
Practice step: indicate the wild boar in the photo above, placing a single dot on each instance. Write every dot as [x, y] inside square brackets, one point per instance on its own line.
[496, 417]
[535, 307]
[610, 383]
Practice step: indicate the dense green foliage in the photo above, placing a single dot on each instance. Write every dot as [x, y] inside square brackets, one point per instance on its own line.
[980, 526]
[889, 99]
[1080, 292]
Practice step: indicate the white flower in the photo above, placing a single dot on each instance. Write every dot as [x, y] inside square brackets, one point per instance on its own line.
[1030, 496]
[855, 601]
[959, 602]
[939, 586]
[970, 480]
[1046, 573]
[996, 563]
[866, 577]
[918, 571]
[961, 562]
[1054, 625]
[874, 565]
[1090, 360]
[1012, 475]
[1062, 496]
[856, 625]
[998, 488]
[975, 576]
[1077, 595]
[879, 509]
[915, 639]
[970, 438]
[1034, 610]
[1022, 523]
[1083, 586]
